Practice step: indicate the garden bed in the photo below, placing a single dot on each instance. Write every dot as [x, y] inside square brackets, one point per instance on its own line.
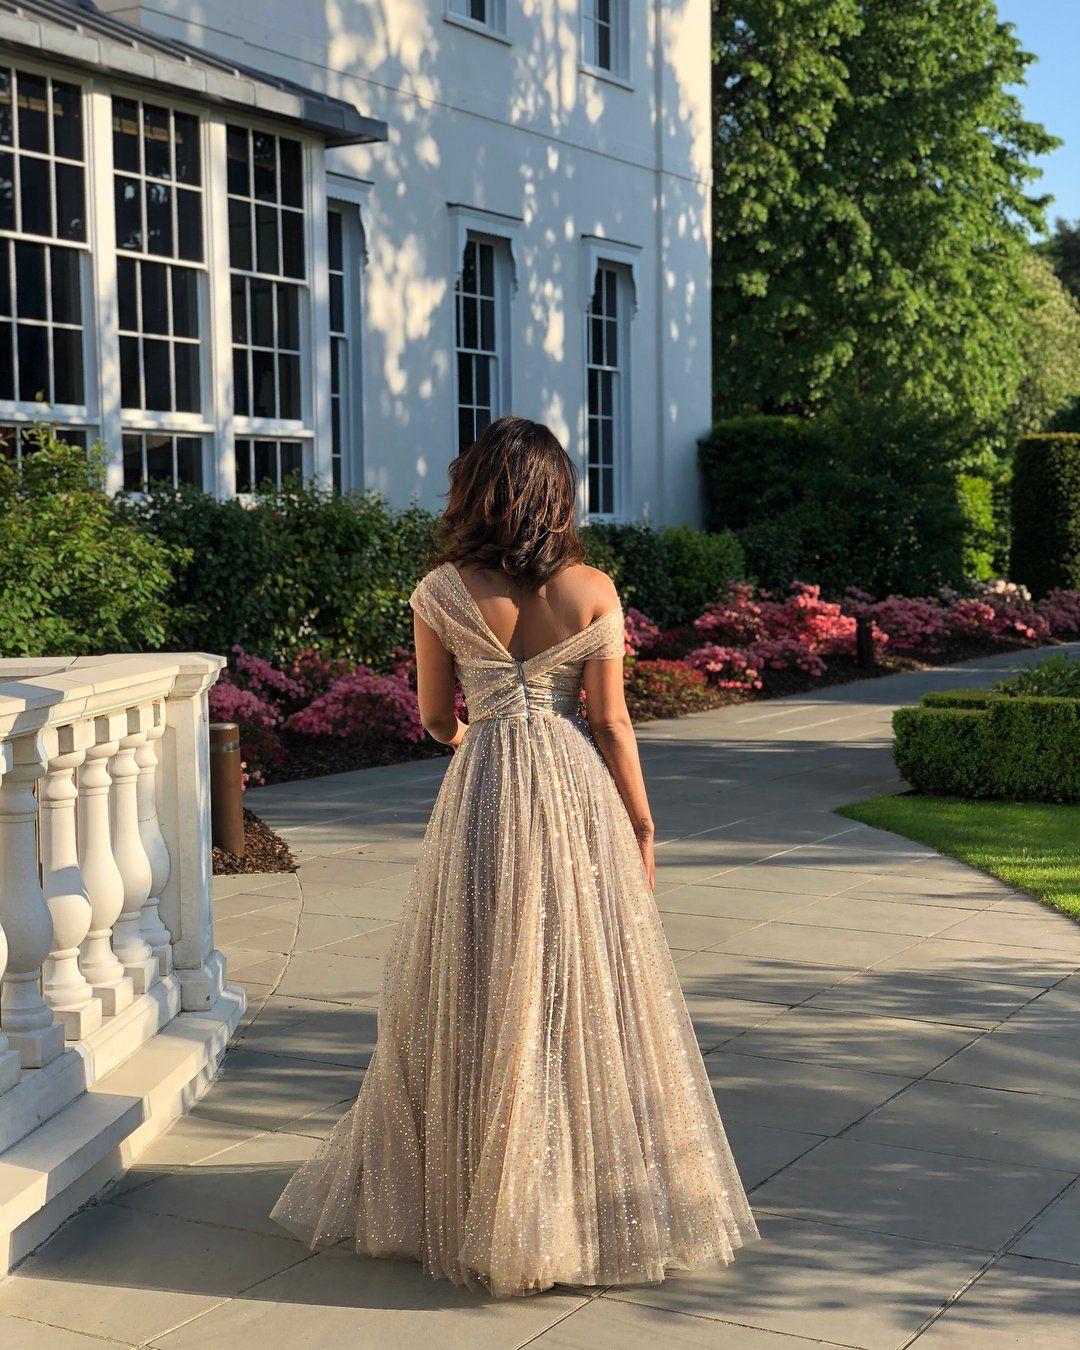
[264, 851]
[316, 714]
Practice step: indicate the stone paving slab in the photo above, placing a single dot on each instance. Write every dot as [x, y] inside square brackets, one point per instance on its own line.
[891, 1037]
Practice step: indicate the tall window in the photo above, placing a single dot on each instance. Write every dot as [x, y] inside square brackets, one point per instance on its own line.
[159, 271]
[605, 35]
[43, 249]
[267, 257]
[606, 371]
[489, 13]
[345, 234]
[481, 338]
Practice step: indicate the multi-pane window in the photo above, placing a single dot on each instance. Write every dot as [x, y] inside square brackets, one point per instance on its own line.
[490, 13]
[266, 251]
[43, 202]
[605, 369]
[158, 195]
[159, 336]
[262, 462]
[605, 34]
[160, 457]
[478, 340]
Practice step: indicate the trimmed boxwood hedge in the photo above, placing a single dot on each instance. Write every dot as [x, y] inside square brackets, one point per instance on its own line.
[1046, 512]
[975, 743]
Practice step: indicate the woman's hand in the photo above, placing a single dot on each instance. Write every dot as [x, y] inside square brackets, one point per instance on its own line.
[645, 836]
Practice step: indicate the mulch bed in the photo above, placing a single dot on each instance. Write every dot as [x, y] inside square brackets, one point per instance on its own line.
[264, 851]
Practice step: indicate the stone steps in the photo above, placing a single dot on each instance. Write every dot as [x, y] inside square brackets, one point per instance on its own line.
[141, 1078]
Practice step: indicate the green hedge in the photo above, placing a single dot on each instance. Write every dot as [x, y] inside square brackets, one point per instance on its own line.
[295, 568]
[1046, 512]
[302, 567]
[880, 504]
[973, 743]
[670, 573]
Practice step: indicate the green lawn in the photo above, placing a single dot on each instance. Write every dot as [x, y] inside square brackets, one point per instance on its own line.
[1030, 845]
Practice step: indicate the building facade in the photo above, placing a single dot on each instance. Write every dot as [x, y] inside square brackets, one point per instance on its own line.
[531, 236]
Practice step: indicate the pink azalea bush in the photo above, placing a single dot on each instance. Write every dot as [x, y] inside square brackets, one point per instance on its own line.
[743, 637]
[364, 705]
[639, 632]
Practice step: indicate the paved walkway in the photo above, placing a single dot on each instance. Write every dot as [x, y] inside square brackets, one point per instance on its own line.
[893, 1041]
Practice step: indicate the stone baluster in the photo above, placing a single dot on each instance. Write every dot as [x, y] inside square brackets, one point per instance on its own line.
[10, 1063]
[65, 987]
[146, 757]
[186, 901]
[101, 876]
[28, 1021]
[131, 948]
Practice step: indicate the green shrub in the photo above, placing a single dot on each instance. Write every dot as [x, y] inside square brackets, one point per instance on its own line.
[670, 573]
[872, 501]
[972, 743]
[75, 577]
[1057, 677]
[1046, 512]
[940, 750]
[296, 568]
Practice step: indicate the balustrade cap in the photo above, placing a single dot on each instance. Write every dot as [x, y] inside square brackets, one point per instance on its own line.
[51, 691]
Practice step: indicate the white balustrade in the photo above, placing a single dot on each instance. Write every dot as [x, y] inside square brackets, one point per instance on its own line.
[146, 757]
[10, 1063]
[132, 949]
[110, 984]
[64, 985]
[104, 884]
[27, 1020]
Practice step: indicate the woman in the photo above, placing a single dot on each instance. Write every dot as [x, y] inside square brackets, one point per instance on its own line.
[536, 1111]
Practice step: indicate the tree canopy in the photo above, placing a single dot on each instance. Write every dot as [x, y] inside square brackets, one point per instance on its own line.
[872, 208]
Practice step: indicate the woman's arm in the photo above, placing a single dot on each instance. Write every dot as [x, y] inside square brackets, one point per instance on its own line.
[615, 739]
[435, 686]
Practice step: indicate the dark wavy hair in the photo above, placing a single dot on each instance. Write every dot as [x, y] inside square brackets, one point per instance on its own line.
[512, 504]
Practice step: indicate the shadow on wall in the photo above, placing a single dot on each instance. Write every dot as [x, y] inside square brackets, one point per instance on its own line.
[520, 130]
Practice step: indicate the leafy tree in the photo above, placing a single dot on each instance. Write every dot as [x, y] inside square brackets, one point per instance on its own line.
[871, 210]
[1063, 251]
[75, 579]
[1049, 350]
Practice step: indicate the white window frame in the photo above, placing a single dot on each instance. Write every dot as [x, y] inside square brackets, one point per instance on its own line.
[492, 23]
[618, 72]
[151, 421]
[85, 416]
[621, 257]
[313, 424]
[351, 386]
[491, 227]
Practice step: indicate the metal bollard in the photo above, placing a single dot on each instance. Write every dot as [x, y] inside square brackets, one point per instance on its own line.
[226, 788]
[864, 643]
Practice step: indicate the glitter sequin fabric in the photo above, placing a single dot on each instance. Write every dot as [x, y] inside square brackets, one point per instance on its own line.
[536, 1111]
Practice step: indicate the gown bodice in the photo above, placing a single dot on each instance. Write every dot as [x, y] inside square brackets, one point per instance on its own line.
[496, 684]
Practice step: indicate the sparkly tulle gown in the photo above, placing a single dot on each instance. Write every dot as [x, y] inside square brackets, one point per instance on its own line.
[536, 1111]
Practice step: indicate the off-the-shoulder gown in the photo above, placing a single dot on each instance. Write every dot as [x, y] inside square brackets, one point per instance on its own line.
[536, 1110]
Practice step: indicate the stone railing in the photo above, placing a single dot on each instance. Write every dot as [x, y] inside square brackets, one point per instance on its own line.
[106, 928]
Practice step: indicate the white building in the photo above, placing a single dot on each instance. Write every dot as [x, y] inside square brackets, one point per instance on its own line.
[480, 206]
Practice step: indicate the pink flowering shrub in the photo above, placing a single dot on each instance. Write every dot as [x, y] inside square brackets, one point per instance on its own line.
[364, 705]
[639, 632]
[726, 667]
[916, 625]
[1061, 610]
[230, 703]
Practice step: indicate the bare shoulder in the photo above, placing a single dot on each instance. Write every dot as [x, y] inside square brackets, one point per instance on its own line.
[591, 591]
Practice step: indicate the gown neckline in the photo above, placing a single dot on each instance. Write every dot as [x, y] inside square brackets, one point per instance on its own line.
[489, 631]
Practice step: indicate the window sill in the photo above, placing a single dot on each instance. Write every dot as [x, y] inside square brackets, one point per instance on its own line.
[608, 76]
[480, 29]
